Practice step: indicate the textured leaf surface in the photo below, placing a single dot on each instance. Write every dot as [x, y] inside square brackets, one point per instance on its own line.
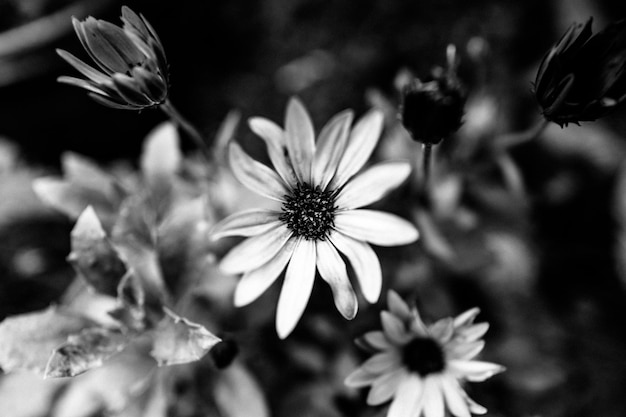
[84, 351]
[93, 256]
[28, 340]
[178, 340]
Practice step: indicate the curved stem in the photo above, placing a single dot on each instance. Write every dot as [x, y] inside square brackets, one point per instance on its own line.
[178, 118]
[513, 139]
[427, 149]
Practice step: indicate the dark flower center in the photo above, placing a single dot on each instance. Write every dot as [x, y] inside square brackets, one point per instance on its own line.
[309, 211]
[424, 356]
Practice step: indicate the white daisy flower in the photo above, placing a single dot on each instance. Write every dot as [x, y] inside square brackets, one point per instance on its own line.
[421, 368]
[319, 213]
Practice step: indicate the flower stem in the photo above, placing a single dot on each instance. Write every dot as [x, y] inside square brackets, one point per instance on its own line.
[513, 139]
[427, 149]
[193, 133]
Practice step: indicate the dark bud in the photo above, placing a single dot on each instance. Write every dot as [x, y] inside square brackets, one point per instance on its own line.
[583, 77]
[224, 353]
[432, 109]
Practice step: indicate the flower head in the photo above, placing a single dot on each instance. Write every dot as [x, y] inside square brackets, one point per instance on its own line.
[132, 70]
[432, 109]
[421, 367]
[583, 76]
[319, 215]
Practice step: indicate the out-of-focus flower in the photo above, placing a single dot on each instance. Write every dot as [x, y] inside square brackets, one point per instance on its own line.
[320, 215]
[422, 367]
[583, 76]
[133, 69]
[432, 110]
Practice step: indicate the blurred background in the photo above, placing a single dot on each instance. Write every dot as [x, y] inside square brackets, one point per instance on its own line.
[555, 294]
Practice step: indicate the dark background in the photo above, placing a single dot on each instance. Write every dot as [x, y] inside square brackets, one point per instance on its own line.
[567, 327]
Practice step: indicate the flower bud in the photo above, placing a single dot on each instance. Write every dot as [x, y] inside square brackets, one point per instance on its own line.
[432, 109]
[132, 66]
[583, 76]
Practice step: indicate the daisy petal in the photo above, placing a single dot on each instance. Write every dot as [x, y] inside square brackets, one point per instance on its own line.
[254, 175]
[453, 395]
[474, 407]
[433, 398]
[377, 340]
[85, 69]
[330, 146]
[360, 378]
[79, 82]
[300, 139]
[364, 262]
[297, 287]
[475, 371]
[397, 306]
[473, 332]
[394, 328]
[442, 330]
[408, 400]
[245, 223]
[466, 317]
[274, 138]
[255, 282]
[381, 362]
[385, 386]
[361, 144]
[269, 131]
[333, 270]
[372, 184]
[255, 251]
[465, 351]
[377, 227]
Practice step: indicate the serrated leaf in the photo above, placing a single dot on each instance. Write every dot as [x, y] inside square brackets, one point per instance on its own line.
[26, 341]
[84, 351]
[161, 156]
[237, 394]
[93, 256]
[178, 340]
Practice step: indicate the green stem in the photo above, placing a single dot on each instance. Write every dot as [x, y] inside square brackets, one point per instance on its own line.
[427, 149]
[193, 133]
[513, 139]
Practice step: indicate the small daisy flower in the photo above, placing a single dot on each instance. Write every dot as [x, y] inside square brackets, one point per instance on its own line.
[319, 216]
[421, 368]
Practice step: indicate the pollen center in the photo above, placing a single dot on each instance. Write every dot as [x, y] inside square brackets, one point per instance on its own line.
[309, 212]
[424, 356]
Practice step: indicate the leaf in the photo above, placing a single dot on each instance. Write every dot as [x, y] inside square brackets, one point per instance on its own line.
[23, 394]
[178, 340]
[161, 156]
[71, 199]
[183, 244]
[84, 351]
[237, 394]
[93, 256]
[27, 341]
[131, 310]
[108, 389]
[82, 171]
